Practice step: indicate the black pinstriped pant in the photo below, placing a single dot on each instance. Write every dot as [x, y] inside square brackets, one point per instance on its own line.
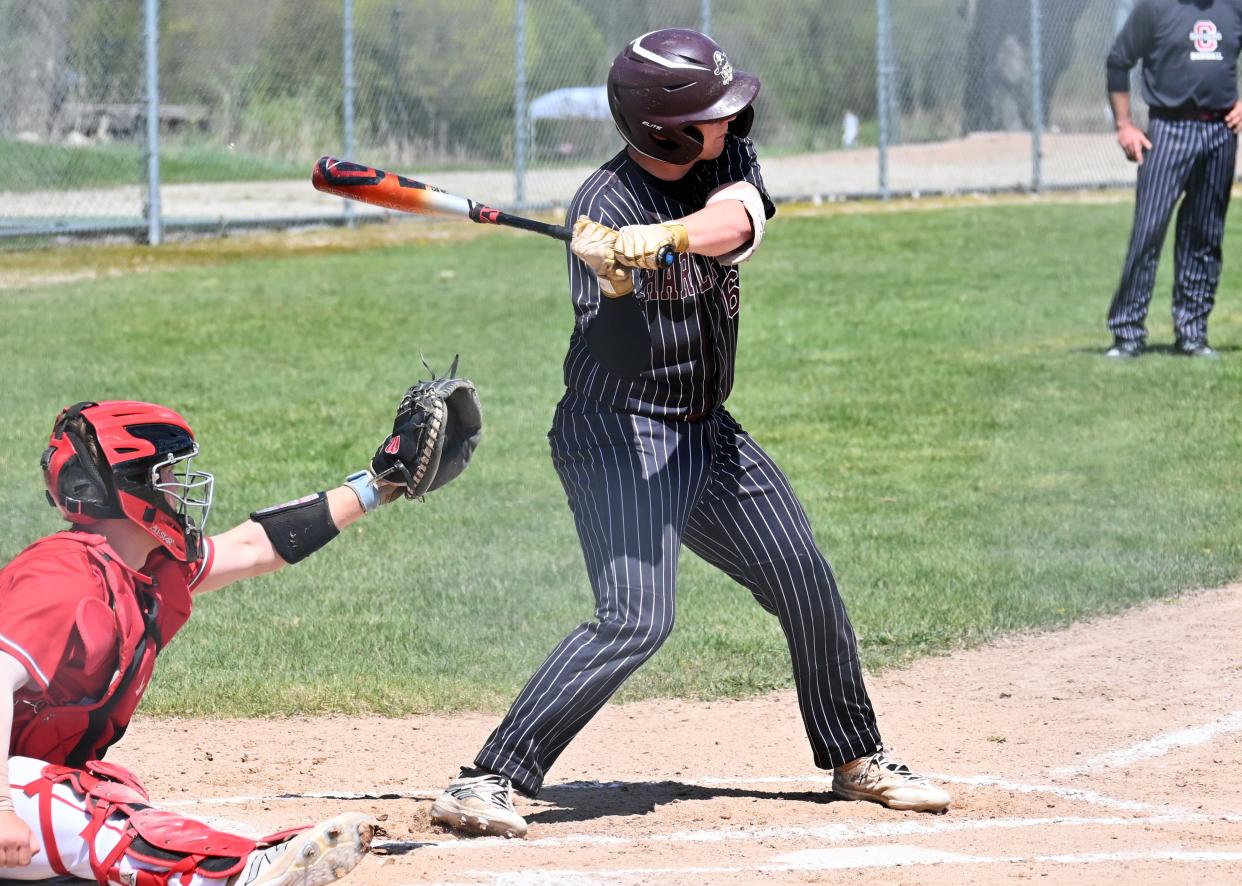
[1195, 157]
[639, 488]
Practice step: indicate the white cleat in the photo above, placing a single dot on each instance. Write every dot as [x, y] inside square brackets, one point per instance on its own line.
[315, 857]
[481, 805]
[889, 783]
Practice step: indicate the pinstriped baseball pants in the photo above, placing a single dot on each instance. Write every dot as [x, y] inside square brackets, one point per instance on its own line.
[639, 488]
[1193, 157]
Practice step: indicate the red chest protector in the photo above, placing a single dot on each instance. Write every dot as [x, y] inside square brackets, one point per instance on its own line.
[124, 631]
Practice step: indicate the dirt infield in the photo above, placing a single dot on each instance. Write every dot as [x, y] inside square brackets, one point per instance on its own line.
[1107, 753]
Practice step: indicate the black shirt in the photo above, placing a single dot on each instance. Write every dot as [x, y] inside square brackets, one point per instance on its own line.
[1189, 50]
[679, 330]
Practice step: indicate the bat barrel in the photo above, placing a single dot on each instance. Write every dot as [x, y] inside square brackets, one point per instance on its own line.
[379, 188]
[376, 187]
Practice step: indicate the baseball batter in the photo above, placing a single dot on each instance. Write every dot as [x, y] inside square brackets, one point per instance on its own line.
[1189, 51]
[648, 455]
[85, 612]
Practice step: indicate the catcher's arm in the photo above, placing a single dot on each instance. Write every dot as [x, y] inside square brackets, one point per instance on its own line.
[437, 426]
[247, 550]
[17, 842]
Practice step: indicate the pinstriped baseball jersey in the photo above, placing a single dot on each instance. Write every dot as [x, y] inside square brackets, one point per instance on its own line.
[691, 309]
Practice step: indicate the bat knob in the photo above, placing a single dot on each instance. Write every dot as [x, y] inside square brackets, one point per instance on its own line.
[666, 256]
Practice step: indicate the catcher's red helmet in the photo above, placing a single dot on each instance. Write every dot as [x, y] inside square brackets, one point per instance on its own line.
[122, 459]
[665, 82]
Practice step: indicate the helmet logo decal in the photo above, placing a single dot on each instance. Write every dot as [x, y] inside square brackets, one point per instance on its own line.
[163, 537]
[642, 52]
[724, 70]
[651, 125]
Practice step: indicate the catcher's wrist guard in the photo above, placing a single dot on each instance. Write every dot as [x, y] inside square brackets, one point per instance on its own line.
[297, 529]
[364, 486]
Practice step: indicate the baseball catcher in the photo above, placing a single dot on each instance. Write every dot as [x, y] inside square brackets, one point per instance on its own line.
[85, 612]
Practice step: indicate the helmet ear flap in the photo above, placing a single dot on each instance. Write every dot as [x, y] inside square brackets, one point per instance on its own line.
[81, 487]
[740, 126]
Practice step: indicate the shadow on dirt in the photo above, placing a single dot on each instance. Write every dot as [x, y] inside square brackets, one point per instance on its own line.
[583, 801]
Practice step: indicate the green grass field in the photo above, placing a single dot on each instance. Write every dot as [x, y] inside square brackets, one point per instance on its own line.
[931, 381]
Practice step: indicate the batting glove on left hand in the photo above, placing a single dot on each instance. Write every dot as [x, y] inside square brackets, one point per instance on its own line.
[593, 243]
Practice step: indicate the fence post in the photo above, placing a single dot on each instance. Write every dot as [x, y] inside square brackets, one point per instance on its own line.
[519, 105]
[882, 87]
[347, 56]
[155, 224]
[1037, 97]
[705, 16]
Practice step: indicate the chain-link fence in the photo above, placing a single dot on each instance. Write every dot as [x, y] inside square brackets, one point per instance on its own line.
[502, 100]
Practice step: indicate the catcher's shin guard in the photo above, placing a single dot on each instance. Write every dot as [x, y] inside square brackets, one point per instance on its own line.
[124, 840]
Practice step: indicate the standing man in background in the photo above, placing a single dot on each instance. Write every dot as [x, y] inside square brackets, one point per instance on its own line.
[1189, 50]
[650, 458]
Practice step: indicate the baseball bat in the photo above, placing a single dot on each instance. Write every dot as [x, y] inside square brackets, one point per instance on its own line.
[376, 187]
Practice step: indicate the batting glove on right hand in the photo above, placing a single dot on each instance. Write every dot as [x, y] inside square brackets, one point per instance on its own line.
[639, 246]
[593, 243]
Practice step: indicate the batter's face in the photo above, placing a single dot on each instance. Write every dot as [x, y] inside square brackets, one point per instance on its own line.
[714, 134]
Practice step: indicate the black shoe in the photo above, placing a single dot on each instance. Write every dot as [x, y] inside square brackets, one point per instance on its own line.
[1195, 349]
[1125, 350]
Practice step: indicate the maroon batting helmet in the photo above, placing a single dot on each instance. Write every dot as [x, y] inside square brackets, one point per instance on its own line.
[665, 82]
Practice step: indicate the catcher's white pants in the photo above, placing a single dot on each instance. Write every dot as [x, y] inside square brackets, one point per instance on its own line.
[70, 817]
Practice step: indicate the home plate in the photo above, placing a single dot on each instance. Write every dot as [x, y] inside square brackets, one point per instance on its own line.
[886, 856]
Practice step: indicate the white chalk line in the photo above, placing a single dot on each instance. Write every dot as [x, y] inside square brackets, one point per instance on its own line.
[1156, 747]
[830, 833]
[427, 794]
[1080, 794]
[884, 856]
[1093, 797]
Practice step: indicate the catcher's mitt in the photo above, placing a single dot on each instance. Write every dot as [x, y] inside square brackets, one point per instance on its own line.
[437, 428]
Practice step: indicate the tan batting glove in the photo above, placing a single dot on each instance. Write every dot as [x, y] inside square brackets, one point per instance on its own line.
[638, 246]
[593, 243]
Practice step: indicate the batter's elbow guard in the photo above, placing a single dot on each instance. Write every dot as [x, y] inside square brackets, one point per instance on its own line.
[298, 528]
